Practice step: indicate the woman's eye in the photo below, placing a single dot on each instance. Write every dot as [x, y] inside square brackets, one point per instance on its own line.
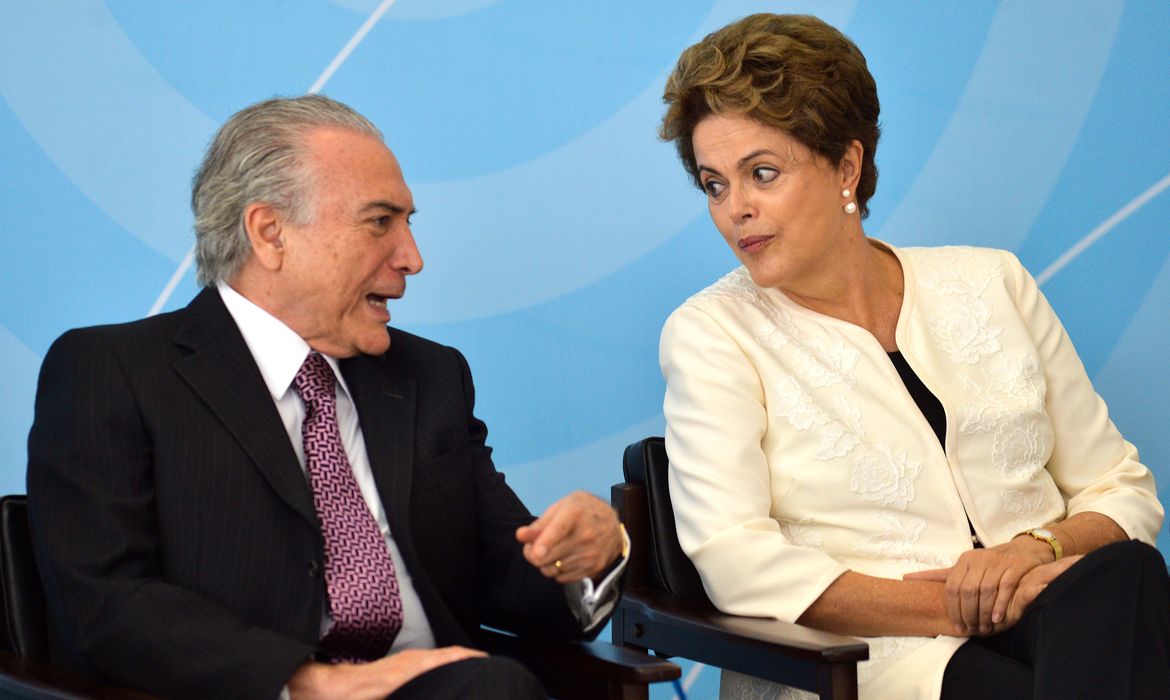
[713, 188]
[763, 173]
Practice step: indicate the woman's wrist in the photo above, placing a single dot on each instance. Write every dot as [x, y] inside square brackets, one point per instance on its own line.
[1066, 539]
[1044, 549]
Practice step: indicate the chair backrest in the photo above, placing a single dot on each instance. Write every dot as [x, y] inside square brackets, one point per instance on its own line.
[645, 462]
[24, 627]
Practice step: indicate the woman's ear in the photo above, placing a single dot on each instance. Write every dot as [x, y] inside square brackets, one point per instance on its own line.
[262, 222]
[850, 167]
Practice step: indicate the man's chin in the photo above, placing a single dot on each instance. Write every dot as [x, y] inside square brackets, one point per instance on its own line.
[377, 343]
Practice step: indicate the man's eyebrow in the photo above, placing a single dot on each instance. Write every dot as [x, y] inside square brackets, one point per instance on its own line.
[387, 206]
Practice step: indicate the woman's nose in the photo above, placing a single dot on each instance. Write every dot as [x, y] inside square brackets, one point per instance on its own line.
[741, 204]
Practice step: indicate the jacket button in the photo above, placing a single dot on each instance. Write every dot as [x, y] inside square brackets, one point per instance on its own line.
[314, 568]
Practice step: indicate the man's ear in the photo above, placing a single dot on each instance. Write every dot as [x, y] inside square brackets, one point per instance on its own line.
[263, 224]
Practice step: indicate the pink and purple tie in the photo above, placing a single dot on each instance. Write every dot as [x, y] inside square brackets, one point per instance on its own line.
[359, 573]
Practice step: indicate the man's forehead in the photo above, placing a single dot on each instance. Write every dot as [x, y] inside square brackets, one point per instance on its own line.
[335, 145]
[344, 155]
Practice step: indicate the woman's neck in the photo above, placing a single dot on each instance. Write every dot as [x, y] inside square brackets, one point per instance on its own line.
[863, 286]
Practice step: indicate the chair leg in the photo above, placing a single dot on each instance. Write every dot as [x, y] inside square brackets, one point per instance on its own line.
[837, 681]
[626, 691]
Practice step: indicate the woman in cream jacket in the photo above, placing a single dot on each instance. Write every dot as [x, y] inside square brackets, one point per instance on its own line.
[899, 444]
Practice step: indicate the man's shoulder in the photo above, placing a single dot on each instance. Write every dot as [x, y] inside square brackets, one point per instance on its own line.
[408, 349]
[409, 342]
[140, 334]
[411, 358]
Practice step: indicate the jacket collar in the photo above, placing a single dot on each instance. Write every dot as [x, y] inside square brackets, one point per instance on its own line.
[220, 370]
[386, 411]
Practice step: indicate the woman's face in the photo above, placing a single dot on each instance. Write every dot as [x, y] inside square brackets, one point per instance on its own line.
[777, 204]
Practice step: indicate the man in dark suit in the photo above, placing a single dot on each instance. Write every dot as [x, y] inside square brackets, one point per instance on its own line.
[192, 538]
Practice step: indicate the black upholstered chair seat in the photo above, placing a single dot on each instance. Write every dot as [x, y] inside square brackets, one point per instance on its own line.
[666, 610]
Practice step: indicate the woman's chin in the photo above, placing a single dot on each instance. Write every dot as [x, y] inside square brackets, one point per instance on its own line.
[761, 277]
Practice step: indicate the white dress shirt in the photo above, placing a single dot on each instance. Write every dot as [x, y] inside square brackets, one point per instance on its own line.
[279, 353]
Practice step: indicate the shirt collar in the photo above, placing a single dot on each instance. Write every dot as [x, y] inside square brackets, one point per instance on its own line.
[277, 349]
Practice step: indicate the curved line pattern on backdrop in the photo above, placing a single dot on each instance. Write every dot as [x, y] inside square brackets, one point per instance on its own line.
[558, 232]
[553, 255]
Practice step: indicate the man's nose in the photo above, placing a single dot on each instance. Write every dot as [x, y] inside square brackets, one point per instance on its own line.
[406, 258]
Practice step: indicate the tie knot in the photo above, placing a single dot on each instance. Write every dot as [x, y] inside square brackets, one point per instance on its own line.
[314, 381]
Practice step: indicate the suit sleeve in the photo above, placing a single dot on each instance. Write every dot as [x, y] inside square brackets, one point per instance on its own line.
[96, 536]
[514, 595]
[1095, 467]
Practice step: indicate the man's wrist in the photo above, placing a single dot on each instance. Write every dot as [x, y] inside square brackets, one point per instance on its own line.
[617, 561]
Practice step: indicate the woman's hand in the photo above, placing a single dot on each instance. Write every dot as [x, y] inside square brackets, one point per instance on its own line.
[1031, 586]
[981, 586]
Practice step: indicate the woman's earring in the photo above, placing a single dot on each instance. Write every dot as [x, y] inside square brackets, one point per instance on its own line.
[850, 207]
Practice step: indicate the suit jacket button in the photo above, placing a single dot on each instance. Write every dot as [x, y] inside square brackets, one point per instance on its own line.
[314, 568]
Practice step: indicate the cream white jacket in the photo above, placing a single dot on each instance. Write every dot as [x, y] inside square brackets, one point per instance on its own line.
[797, 453]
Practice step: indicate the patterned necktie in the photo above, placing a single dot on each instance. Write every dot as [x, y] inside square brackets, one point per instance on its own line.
[359, 573]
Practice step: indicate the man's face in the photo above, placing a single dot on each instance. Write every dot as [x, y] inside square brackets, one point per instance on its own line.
[338, 271]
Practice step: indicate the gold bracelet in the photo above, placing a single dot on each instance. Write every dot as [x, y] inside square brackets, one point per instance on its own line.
[1046, 536]
[1068, 536]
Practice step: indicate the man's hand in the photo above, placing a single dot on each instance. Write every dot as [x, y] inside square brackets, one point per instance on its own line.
[981, 585]
[580, 531]
[377, 679]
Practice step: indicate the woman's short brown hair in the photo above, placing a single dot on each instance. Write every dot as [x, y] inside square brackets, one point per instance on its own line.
[791, 72]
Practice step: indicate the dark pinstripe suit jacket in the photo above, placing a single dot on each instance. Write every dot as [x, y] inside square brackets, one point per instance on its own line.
[175, 531]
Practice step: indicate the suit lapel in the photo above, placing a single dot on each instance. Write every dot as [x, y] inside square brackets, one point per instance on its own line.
[221, 371]
[386, 411]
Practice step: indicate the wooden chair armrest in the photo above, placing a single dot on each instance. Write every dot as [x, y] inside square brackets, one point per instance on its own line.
[25, 678]
[571, 670]
[778, 651]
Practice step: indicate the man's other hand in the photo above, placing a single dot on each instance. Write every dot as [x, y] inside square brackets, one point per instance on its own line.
[577, 537]
[377, 679]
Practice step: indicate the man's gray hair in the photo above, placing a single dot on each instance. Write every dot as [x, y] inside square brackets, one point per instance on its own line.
[259, 155]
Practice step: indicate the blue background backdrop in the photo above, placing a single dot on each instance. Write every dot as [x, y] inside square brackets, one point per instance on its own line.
[558, 232]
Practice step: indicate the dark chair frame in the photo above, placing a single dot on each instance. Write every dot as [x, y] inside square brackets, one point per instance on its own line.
[666, 610]
[568, 670]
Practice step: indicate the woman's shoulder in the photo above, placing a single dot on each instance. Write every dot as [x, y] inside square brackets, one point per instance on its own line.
[731, 291]
[956, 256]
[952, 269]
[736, 285]
[725, 309]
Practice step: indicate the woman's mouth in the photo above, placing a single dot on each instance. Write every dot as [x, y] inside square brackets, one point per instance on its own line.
[753, 244]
